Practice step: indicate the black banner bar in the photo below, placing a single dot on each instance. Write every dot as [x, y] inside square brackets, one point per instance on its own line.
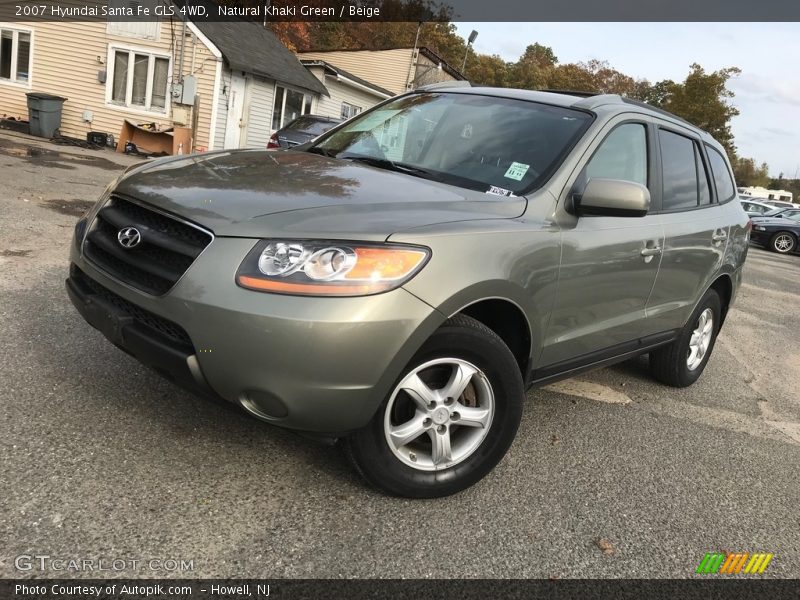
[405, 10]
[707, 588]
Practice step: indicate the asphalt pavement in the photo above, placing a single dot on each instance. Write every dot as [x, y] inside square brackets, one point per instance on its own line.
[611, 474]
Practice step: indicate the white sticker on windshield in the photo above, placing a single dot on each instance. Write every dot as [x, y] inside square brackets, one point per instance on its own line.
[372, 120]
[498, 191]
[517, 171]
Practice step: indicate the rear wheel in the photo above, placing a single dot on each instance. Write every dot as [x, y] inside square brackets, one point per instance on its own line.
[449, 419]
[783, 242]
[682, 362]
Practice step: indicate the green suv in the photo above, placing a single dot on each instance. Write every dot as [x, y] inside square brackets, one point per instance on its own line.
[398, 283]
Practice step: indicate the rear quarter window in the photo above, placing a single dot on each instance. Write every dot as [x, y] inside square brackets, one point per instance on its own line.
[722, 175]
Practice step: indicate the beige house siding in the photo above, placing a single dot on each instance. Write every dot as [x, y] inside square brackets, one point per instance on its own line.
[341, 92]
[66, 59]
[388, 69]
[222, 110]
[260, 98]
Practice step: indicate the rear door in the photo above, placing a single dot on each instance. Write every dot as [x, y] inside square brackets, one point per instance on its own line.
[695, 224]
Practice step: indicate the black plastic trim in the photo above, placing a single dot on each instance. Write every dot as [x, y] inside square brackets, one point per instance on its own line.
[167, 356]
[602, 358]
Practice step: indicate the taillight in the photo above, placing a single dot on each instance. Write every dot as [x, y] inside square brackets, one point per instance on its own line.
[273, 142]
[749, 225]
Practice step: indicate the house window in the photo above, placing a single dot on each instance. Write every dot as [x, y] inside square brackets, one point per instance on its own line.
[146, 28]
[138, 79]
[289, 104]
[15, 55]
[349, 110]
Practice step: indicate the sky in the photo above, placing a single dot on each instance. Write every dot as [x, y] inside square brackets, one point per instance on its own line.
[767, 93]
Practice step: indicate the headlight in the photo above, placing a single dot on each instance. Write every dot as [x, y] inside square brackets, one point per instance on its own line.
[759, 228]
[320, 268]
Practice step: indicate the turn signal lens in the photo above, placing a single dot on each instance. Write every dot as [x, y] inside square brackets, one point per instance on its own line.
[329, 269]
[384, 264]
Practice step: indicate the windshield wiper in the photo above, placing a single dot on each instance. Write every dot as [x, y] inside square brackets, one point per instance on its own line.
[385, 163]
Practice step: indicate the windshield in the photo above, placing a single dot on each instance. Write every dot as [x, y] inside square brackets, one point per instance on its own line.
[774, 212]
[485, 143]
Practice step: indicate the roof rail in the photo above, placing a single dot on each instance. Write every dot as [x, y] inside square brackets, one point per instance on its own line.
[572, 93]
[444, 84]
[660, 111]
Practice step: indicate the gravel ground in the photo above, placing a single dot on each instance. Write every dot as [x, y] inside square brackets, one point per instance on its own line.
[611, 475]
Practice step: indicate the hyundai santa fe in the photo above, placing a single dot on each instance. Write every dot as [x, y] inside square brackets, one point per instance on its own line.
[398, 283]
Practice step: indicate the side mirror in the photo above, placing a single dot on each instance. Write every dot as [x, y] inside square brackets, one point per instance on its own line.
[613, 198]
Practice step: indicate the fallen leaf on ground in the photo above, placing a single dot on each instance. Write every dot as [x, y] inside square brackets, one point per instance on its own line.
[605, 546]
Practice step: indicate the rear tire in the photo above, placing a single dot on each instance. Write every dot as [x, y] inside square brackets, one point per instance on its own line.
[682, 362]
[783, 242]
[449, 419]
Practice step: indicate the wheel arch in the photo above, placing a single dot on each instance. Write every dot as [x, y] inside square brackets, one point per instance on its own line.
[508, 320]
[723, 285]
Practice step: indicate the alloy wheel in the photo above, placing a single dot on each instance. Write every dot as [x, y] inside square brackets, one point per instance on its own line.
[701, 339]
[439, 414]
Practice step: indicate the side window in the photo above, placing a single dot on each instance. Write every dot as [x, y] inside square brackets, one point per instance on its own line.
[679, 171]
[703, 187]
[722, 176]
[622, 155]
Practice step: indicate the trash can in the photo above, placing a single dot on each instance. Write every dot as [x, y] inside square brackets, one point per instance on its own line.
[44, 114]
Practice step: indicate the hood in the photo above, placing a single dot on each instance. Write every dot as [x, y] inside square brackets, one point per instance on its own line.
[288, 193]
[775, 221]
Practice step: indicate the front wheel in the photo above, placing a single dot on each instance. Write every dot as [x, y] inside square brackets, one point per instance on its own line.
[449, 419]
[682, 362]
[782, 242]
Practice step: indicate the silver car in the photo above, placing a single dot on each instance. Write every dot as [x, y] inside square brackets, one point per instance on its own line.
[399, 283]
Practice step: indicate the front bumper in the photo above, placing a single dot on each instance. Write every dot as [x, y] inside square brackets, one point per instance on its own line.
[321, 365]
[760, 237]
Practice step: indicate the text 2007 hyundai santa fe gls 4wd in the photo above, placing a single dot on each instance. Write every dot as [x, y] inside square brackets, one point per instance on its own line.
[400, 281]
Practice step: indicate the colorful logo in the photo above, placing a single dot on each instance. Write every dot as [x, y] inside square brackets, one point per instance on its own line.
[734, 563]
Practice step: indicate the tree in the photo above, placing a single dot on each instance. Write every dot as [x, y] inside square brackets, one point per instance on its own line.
[748, 174]
[488, 70]
[703, 101]
[570, 77]
[532, 70]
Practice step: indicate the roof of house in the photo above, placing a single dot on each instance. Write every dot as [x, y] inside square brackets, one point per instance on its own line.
[430, 54]
[250, 47]
[346, 75]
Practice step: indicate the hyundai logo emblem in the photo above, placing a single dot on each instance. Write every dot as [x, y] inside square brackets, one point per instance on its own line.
[129, 237]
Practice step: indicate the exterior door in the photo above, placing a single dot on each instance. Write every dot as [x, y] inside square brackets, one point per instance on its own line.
[696, 179]
[235, 121]
[609, 264]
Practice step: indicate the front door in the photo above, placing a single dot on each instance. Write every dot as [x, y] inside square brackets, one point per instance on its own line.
[609, 264]
[235, 121]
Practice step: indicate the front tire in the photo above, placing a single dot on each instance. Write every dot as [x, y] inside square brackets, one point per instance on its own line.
[682, 362]
[782, 242]
[449, 419]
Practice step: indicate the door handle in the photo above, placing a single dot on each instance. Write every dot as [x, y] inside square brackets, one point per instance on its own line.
[651, 251]
[719, 237]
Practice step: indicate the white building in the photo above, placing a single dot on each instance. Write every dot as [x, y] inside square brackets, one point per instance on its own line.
[762, 192]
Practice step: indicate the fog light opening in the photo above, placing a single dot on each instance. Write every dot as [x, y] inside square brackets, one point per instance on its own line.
[263, 405]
